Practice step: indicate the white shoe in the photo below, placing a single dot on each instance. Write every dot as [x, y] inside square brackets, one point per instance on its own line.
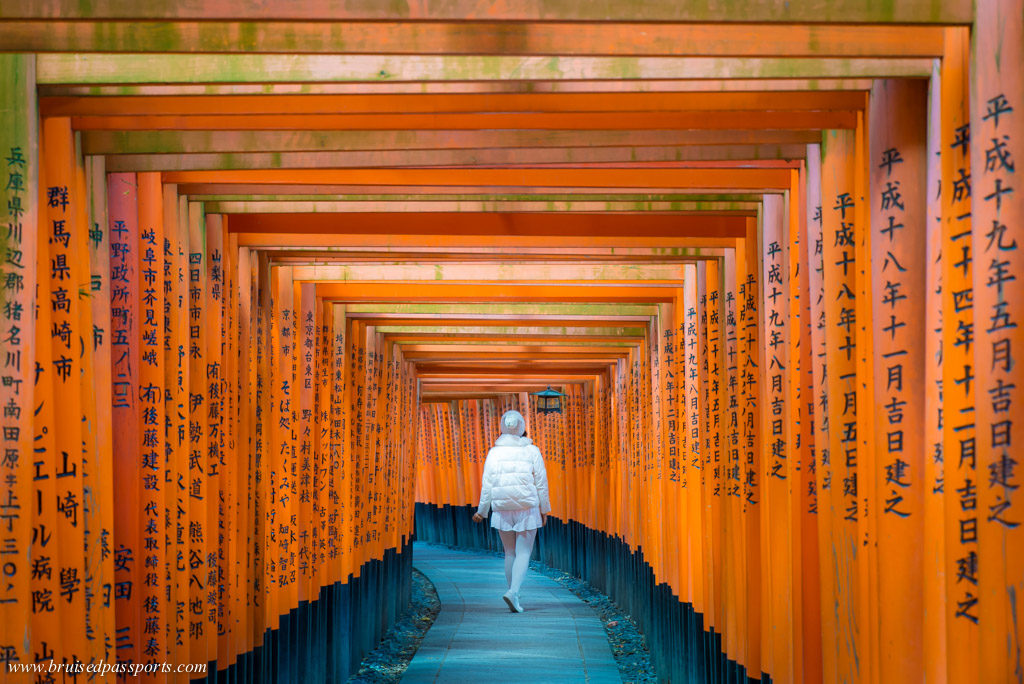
[512, 601]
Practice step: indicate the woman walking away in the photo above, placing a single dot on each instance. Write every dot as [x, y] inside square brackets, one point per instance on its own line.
[515, 485]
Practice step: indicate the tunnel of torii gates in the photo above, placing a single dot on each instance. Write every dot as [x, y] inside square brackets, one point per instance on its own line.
[270, 273]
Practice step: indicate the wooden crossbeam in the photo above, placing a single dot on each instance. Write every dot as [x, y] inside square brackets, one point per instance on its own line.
[465, 247]
[485, 292]
[769, 11]
[272, 205]
[677, 120]
[209, 186]
[483, 223]
[697, 179]
[243, 193]
[532, 311]
[584, 367]
[510, 86]
[618, 255]
[509, 345]
[526, 334]
[107, 68]
[208, 142]
[534, 103]
[470, 158]
[471, 37]
[425, 271]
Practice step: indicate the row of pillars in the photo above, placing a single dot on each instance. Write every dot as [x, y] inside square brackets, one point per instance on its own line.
[815, 451]
[195, 447]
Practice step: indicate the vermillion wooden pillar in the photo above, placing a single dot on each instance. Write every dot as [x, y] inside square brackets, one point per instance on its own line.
[177, 374]
[823, 473]
[122, 205]
[212, 385]
[152, 448]
[674, 481]
[733, 594]
[263, 553]
[777, 422]
[202, 636]
[934, 608]
[711, 370]
[19, 178]
[997, 216]
[898, 256]
[284, 472]
[61, 377]
[99, 433]
[867, 522]
[696, 360]
[800, 432]
[961, 477]
[819, 483]
[839, 228]
[749, 293]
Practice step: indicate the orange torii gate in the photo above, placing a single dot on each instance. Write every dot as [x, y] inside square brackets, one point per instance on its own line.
[262, 293]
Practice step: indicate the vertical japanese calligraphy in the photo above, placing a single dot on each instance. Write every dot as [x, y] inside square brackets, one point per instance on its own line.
[776, 428]
[839, 224]
[152, 450]
[19, 173]
[898, 257]
[997, 221]
[960, 475]
[122, 207]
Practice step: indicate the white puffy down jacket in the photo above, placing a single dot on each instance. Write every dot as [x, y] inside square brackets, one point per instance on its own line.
[514, 477]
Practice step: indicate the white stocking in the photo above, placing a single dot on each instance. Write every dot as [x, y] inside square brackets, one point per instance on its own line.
[524, 547]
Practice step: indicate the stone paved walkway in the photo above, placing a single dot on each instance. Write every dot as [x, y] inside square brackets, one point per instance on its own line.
[477, 639]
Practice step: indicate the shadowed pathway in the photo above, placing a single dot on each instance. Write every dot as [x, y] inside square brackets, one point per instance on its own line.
[475, 638]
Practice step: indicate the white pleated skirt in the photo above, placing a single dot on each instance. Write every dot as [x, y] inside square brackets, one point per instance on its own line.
[517, 521]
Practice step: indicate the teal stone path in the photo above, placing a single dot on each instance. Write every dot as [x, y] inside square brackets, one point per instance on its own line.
[476, 638]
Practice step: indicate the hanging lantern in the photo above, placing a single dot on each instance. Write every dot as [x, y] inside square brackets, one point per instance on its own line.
[549, 401]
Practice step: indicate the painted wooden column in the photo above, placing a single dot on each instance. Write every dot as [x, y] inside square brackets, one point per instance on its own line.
[202, 636]
[898, 113]
[777, 428]
[734, 593]
[249, 478]
[675, 438]
[305, 536]
[694, 409]
[62, 367]
[211, 385]
[99, 476]
[234, 485]
[997, 215]
[839, 226]
[19, 152]
[867, 522]
[806, 576]
[934, 581]
[823, 475]
[961, 478]
[340, 489]
[176, 409]
[122, 207]
[152, 449]
[284, 472]
[716, 419]
[263, 553]
[796, 211]
[749, 294]
[664, 359]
